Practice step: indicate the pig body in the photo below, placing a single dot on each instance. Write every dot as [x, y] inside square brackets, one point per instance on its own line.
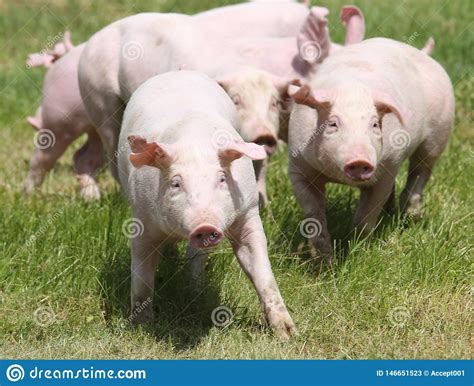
[123, 55]
[60, 120]
[62, 111]
[188, 176]
[370, 106]
[257, 18]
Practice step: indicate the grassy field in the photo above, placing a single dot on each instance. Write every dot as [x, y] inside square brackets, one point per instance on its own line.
[64, 293]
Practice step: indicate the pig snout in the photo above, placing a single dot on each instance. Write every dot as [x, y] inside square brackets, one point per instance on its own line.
[205, 235]
[359, 170]
[268, 141]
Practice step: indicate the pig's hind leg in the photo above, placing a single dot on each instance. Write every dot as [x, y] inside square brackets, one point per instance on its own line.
[87, 161]
[50, 145]
[419, 172]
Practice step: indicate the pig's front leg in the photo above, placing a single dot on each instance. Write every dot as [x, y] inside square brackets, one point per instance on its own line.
[312, 198]
[250, 247]
[197, 264]
[371, 202]
[261, 176]
[145, 256]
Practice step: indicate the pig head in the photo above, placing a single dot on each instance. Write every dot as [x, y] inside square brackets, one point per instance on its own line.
[349, 147]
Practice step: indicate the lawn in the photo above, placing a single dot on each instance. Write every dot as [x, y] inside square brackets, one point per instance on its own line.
[64, 264]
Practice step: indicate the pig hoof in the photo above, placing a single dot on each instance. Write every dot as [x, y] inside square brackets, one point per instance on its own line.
[90, 193]
[321, 250]
[282, 324]
[413, 209]
[28, 188]
[140, 317]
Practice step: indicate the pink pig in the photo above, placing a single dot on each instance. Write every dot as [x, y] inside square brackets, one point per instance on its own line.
[60, 120]
[62, 117]
[189, 176]
[369, 107]
[255, 72]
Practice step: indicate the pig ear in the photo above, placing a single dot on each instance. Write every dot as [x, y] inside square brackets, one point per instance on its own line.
[282, 85]
[386, 104]
[150, 153]
[353, 20]
[313, 41]
[237, 149]
[304, 96]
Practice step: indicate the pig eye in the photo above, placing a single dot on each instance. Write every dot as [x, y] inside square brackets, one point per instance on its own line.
[274, 104]
[222, 178]
[332, 125]
[375, 124]
[176, 182]
[236, 100]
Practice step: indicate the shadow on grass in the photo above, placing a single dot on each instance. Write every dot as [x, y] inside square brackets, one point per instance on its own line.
[182, 312]
[340, 212]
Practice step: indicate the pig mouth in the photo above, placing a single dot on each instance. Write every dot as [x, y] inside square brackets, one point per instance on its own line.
[269, 142]
[205, 236]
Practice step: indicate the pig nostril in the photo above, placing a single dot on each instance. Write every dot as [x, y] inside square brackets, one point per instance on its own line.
[359, 170]
[199, 236]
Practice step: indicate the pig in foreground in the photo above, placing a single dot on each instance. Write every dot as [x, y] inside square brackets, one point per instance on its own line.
[182, 184]
[369, 107]
[61, 119]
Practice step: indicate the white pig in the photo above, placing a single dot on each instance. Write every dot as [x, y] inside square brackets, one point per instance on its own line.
[61, 119]
[183, 184]
[370, 106]
[124, 54]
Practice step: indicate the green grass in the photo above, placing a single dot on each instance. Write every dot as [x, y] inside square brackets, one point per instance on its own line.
[404, 293]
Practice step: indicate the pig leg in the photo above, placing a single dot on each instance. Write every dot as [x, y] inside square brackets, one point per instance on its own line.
[419, 172]
[261, 176]
[109, 135]
[87, 161]
[391, 204]
[250, 247]
[371, 202]
[106, 114]
[43, 160]
[311, 197]
[145, 257]
[197, 259]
